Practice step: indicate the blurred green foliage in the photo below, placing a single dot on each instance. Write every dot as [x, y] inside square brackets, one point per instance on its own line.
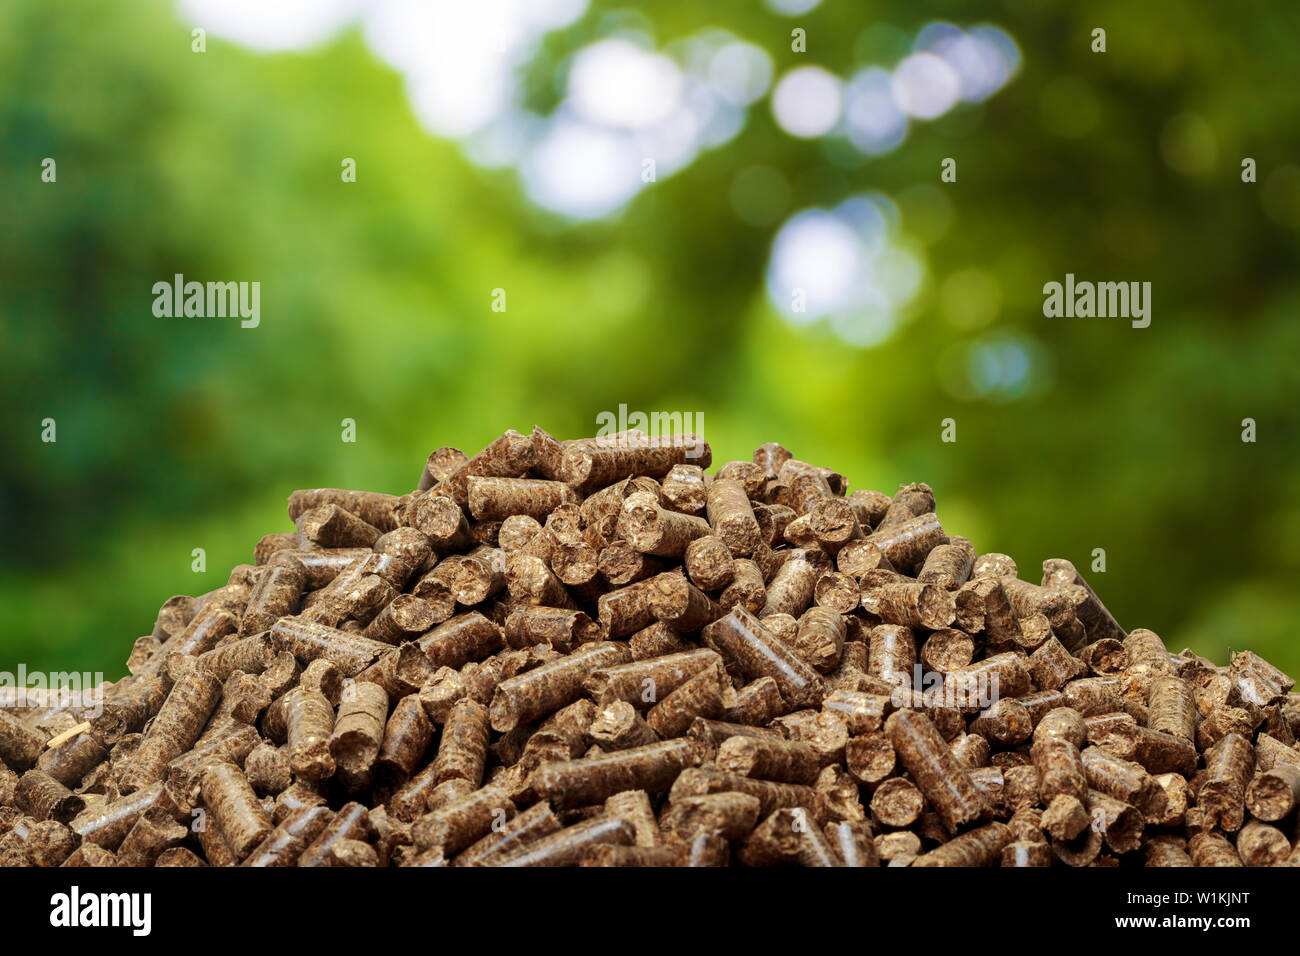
[175, 434]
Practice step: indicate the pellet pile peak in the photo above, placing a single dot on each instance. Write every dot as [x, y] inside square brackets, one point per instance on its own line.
[594, 652]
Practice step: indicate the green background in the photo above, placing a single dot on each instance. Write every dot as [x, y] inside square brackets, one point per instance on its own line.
[175, 434]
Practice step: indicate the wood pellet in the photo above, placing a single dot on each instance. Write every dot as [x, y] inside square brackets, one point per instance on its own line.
[609, 652]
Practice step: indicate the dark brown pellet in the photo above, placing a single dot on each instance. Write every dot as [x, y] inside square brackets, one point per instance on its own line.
[403, 619]
[528, 827]
[1096, 620]
[561, 628]
[284, 845]
[71, 760]
[658, 640]
[43, 798]
[1229, 766]
[372, 507]
[621, 564]
[462, 750]
[1061, 770]
[680, 604]
[777, 840]
[509, 456]
[230, 798]
[406, 738]
[459, 824]
[276, 594]
[177, 726]
[980, 847]
[308, 640]
[1119, 824]
[645, 682]
[769, 758]
[852, 844]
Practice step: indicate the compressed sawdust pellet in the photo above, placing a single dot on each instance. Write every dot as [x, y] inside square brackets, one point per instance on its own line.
[230, 798]
[597, 653]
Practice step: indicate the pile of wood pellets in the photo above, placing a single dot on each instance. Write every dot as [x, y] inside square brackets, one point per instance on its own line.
[595, 653]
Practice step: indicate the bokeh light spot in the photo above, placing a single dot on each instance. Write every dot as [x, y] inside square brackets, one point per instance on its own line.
[807, 101]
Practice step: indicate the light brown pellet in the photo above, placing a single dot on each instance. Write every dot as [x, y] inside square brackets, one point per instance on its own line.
[744, 640]
[349, 823]
[979, 847]
[769, 758]
[891, 654]
[896, 803]
[330, 526]
[732, 517]
[309, 721]
[910, 604]
[1211, 848]
[677, 602]
[653, 768]
[707, 694]
[1274, 793]
[948, 565]
[268, 769]
[1259, 844]
[756, 703]
[462, 750]
[358, 732]
[910, 501]
[1166, 850]
[947, 649]
[906, 544]
[936, 771]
